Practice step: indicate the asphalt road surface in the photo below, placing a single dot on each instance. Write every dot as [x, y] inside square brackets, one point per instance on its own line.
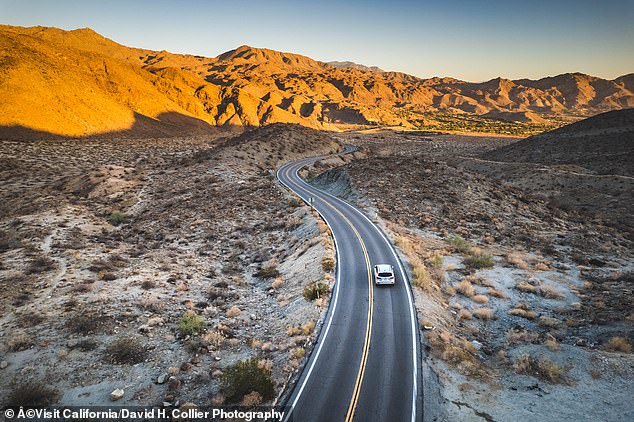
[365, 364]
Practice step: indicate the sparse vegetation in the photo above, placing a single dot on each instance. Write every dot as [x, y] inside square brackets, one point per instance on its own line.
[126, 350]
[40, 264]
[465, 288]
[270, 271]
[117, 218]
[543, 368]
[191, 324]
[245, 377]
[32, 393]
[483, 313]
[459, 243]
[315, 290]
[328, 264]
[618, 344]
[478, 259]
[19, 342]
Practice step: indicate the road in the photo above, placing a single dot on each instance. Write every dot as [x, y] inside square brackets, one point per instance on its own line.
[365, 363]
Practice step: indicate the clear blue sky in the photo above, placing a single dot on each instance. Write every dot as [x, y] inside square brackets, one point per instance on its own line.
[470, 40]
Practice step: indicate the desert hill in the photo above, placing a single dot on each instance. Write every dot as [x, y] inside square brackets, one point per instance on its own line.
[352, 65]
[79, 83]
[603, 144]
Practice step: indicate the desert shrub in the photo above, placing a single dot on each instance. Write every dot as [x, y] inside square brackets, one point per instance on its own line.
[234, 311]
[496, 293]
[148, 284]
[298, 353]
[246, 377]
[40, 265]
[252, 399]
[516, 336]
[478, 260]
[191, 324]
[465, 288]
[524, 313]
[315, 290]
[480, 299]
[328, 264]
[9, 240]
[464, 314]
[116, 218]
[277, 283]
[106, 276]
[526, 287]
[32, 393]
[86, 322]
[549, 322]
[483, 313]
[459, 243]
[420, 274]
[543, 368]
[516, 260]
[436, 260]
[550, 292]
[127, 349]
[267, 272]
[19, 342]
[618, 344]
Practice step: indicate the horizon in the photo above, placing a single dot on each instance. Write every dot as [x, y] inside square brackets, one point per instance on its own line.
[407, 42]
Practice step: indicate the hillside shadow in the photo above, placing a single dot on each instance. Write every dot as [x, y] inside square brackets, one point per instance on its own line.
[168, 124]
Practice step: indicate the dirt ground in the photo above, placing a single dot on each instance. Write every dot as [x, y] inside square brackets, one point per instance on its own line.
[153, 265]
[524, 298]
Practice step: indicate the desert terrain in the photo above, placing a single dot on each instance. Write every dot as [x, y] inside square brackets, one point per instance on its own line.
[522, 264]
[154, 266]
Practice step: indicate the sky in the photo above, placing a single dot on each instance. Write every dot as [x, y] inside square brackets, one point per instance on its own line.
[473, 40]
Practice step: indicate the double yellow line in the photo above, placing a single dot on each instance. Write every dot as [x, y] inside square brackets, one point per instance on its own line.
[368, 329]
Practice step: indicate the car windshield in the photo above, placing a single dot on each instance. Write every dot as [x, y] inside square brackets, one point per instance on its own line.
[385, 274]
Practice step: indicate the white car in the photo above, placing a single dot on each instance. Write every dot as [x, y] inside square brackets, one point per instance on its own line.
[383, 274]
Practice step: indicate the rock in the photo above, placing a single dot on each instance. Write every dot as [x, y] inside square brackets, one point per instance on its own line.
[4, 364]
[173, 370]
[167, 404]
[216, 358]
[161, 379]
[186, 366]
[117, 394]
[144, 329]
[217, 373]
[575, 306]
[477, 344]
[169, 398]
[173, 383]
[195, 360]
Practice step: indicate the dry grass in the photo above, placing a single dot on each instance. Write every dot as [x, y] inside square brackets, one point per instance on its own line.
[552, 344]
[524, 313]
[465, 288]
[618, 344]
[464, 314]
[516, 260]
[484, 313]
[233, 312]
[549, 322]
[496, 293]
[19, 342]
[544, 290]
[522, 336]
[526, 287]
[127, 349]
[457, 352]
[277, 283]
[478, 259]
[480, 299]
[543, 368]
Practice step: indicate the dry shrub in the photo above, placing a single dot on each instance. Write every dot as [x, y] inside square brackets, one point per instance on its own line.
[32, 393]
[524, 313]
[540, 266]
[127, 349]
[484, 313]
[526, 287]
[549, 322]
[459, 243]
[308, 328]
[233, 312]
[517, 336]
[148, 284]
[246, 377]
[277, 283]
[19, 343]
[550, 292]
[298, 353]
[328, 264]
[516, 260]
[478, 259]
[618, 344]
[252, 399]
[464, 314]
[480, 299]
[496, 293]
[543, 368]
[552, 344]
[465, 288]
[457, 352]
[40, 264]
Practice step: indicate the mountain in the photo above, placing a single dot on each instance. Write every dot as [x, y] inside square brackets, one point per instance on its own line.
[79, 83]
[603, 144]
[352, 65]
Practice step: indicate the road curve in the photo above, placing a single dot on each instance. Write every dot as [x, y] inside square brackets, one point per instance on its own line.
[365, 365]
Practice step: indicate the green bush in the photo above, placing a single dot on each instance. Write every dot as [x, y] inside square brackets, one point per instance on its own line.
[245, 377]
[116, 218]
[479, 260]
[191, 324]
[315, 290]
[328, 264]
[267, 272]
[459, 243]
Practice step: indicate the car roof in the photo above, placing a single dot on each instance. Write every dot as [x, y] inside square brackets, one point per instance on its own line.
[384, 268]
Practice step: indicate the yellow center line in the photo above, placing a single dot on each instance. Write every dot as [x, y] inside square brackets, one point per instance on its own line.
[368, 330]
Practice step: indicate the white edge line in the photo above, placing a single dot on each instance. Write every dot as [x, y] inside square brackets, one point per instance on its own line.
[332, 312]
[409, 296]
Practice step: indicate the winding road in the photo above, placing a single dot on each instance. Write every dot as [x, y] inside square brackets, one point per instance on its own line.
[365, 365]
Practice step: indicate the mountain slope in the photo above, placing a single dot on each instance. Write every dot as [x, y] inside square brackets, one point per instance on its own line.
[79, 83]
[603, 144]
